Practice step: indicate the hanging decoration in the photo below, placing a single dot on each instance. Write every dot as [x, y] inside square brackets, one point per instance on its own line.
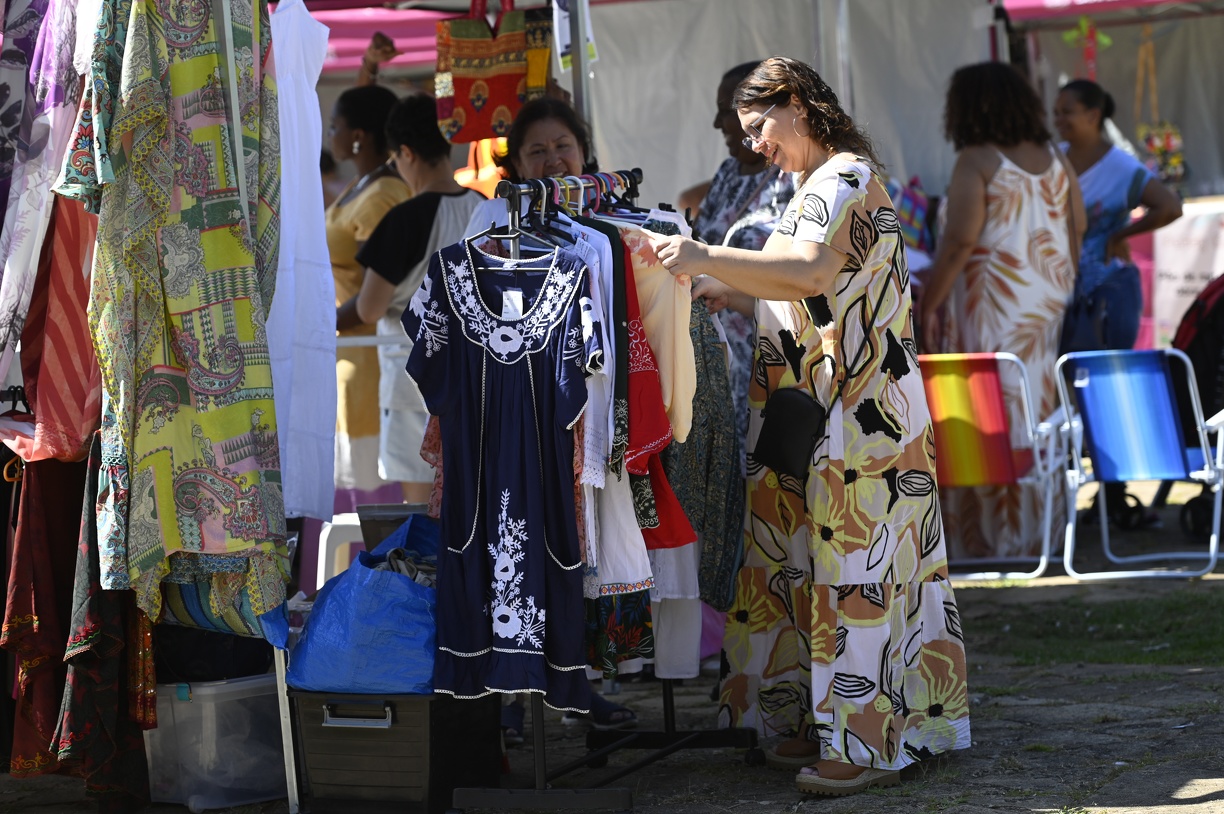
[1160, 138]
[1086, 37]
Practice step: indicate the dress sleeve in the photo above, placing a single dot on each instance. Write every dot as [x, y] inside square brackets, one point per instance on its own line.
[374, 205]
[833, 211]
[581, 354]
[399, 242]
[428, 320]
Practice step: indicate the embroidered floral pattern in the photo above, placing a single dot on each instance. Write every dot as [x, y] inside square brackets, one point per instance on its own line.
[508, 339]
[515, 616]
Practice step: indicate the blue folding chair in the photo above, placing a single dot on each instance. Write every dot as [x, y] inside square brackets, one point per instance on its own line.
[1121, 412]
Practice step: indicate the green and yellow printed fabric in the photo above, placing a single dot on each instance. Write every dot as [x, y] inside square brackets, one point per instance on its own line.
[177, 149]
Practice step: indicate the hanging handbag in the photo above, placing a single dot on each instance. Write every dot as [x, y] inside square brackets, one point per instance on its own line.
[793, 422]
[481, 79]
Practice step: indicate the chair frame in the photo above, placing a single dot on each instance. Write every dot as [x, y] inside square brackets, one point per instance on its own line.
[1048, 444]
[1211, 475]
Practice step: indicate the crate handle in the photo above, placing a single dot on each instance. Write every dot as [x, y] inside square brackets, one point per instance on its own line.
[357, 723]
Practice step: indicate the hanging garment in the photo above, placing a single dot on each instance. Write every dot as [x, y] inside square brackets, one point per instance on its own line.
[844, 628]
[500, 352]
[664, 302]
[42, 100]
[98, 732]
[59, 369]
[703, 471]
[301, 341]
[36, 615]
[21, 24]
[178, 151]
[741, 211]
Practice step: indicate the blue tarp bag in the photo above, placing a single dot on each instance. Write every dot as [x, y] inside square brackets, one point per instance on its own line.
[372, 631]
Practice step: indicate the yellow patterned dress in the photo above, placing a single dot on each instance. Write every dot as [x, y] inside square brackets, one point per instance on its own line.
[177, 150]
[844, 628]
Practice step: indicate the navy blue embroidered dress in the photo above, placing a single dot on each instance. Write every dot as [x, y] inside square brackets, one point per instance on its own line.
[501, 353]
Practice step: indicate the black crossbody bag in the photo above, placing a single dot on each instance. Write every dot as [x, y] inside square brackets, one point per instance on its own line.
[793, 422]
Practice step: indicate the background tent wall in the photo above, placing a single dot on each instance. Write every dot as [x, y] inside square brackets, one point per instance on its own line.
[1190, 85]
[660, 63]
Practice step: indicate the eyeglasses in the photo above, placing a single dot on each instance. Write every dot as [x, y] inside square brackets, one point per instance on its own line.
[754, 130]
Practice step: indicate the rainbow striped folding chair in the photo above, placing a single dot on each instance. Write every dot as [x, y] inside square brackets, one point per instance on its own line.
[973, 442]
[1122, 414]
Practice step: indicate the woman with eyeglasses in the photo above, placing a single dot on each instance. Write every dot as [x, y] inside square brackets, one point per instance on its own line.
[358, 134]
[844, 636]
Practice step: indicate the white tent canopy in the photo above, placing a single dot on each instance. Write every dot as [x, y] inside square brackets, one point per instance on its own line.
[660, 63]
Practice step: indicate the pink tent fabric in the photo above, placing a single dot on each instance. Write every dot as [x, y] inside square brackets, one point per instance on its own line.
[1036, 9]
[414, 33]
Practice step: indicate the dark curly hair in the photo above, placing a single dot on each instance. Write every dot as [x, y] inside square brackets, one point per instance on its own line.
[539, 110]
[1092, 96]
[992, 103]
[776, 79]
[413, 123]
[366, 108]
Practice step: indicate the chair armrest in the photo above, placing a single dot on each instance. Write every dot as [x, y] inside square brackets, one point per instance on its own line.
[1215, 423]
[1054, 421]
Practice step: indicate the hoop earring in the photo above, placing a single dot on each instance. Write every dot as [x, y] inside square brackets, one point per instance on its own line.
[796, 129]
[356, 147]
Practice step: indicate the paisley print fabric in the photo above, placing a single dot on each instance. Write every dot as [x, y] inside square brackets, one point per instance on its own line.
[1012, 297]
[182, 165]
[844, 628]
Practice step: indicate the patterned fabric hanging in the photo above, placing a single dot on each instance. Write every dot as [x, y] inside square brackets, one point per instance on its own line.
[177, 150]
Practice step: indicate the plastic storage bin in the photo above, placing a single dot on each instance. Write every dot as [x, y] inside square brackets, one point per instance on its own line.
[217, 744]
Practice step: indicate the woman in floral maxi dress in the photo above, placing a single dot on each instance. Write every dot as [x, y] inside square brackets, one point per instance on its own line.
[845, 631]
[1001, 281]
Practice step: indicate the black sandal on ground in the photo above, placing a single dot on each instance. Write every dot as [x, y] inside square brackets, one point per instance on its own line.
[604, 715]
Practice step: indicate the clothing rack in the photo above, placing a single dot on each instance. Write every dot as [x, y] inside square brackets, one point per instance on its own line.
[541, 796]
[600, 744]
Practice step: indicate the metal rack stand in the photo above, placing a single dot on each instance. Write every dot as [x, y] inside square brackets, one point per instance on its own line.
[540, 797]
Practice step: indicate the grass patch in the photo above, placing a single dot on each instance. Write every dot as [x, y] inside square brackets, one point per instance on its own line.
[1040, 747]
[1181, 627]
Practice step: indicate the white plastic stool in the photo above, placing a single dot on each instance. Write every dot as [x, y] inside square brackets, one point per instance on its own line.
[334, 541]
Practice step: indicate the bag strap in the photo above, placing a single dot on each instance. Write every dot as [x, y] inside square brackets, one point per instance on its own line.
[1147, 66]
[479, 9]
[862, 345]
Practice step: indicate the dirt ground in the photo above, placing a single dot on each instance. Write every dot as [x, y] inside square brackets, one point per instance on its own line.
[1066, 738]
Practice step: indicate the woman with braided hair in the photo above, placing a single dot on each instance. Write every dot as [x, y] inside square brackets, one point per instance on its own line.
[844, 636]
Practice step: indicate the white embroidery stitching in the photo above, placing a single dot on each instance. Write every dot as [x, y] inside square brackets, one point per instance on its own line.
[515, 617]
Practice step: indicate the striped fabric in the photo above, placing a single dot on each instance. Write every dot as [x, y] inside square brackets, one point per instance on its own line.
[972, 436]
[1129, 410]
[62, 380]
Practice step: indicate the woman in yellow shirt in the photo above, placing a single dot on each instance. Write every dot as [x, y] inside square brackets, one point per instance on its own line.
[357, 133]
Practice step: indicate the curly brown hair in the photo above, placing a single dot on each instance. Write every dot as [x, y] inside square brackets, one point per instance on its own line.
[776, 79]
[992, 103]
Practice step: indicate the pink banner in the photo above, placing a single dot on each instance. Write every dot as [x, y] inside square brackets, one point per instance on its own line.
[413, 32]
[1036, 9]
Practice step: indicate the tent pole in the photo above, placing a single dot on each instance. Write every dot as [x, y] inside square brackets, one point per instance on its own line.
[845, 87]
[581, 66]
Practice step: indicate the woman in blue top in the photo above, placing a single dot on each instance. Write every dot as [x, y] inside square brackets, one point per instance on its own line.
[1113, 183]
